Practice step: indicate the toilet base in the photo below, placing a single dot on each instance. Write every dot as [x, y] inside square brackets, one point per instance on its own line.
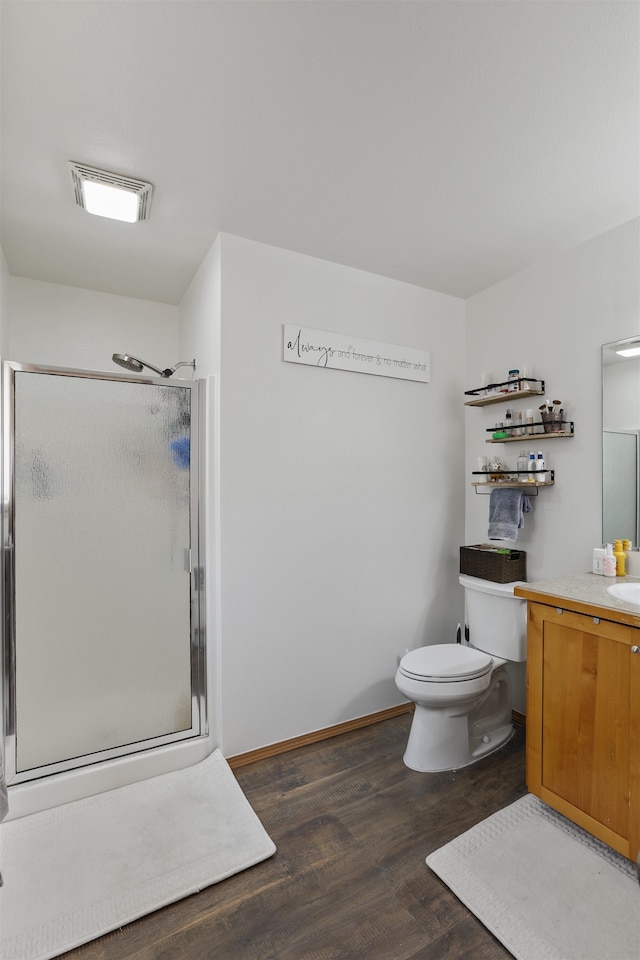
[439, 760]
[451, 738]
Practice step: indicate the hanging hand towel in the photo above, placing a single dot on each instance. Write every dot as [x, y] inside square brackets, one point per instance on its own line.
[506, 513]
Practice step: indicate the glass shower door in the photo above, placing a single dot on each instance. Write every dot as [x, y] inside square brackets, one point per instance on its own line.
[102, 527]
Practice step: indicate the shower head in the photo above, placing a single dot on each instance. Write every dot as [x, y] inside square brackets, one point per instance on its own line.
[132, 363]
[129, 363]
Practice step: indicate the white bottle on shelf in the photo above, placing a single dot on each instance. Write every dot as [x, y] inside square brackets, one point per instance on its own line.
[541, 475]
[529, 419]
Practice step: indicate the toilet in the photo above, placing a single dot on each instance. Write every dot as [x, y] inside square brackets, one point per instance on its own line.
[462, 692]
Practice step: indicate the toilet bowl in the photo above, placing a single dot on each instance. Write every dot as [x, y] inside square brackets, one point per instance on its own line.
[462, 692]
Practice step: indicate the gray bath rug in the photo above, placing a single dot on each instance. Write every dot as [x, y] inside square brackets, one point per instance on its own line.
[79, 870]
[545, 888]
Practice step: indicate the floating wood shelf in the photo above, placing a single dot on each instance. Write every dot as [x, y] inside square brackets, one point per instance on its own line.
[530, 488]
[502, 397]
[530, 437]
[489, 485]
[480, 399]
[517, 432]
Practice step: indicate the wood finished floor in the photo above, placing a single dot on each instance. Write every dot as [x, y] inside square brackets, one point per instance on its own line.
[348, 881]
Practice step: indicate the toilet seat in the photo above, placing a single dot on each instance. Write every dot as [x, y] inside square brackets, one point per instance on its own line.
[445, 662]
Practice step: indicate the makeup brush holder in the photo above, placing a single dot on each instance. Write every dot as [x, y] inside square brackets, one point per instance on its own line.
[553, 420]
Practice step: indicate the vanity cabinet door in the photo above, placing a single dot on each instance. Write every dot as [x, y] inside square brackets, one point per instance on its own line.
[583, 722]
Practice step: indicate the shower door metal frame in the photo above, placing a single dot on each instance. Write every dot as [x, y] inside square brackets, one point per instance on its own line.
[199, 716]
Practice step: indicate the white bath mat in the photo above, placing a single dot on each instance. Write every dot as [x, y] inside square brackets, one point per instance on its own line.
[75, 872]
[545, 888]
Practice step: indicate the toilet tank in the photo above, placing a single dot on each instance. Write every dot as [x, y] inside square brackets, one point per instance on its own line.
[497, 620]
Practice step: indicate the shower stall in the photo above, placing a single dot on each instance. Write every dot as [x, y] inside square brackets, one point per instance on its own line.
[104, 672]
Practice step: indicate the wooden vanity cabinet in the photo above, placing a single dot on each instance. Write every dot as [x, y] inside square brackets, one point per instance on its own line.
[583, 721]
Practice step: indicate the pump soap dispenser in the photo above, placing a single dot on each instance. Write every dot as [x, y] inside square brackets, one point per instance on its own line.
[609, 562]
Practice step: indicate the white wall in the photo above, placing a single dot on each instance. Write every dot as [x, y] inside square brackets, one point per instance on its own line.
[199, 315]
[340, 495]
[4, 305]
[340, 521]
[52, 324]
[553, 319]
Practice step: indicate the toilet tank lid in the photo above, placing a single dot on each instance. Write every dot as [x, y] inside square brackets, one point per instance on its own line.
[446, 661]
[489, 586]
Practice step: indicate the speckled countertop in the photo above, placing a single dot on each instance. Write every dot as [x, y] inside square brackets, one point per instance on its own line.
[583, 592]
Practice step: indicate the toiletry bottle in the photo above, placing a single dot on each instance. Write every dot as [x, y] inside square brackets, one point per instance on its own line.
[530, 426]
[509, 423]
[621, 558]
[598, 561]
[626, 545]
[532, 467]
[633, 563]
[540, 468]
[514, 382]
[609, 562]
[522, 463]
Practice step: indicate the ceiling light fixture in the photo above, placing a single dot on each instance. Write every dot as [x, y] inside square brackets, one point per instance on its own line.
[110, 195]
[632, 351]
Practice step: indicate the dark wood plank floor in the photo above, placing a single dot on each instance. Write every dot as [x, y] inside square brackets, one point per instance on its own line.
[353, 827]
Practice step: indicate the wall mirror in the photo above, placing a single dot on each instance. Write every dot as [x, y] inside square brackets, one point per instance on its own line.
[621, 440]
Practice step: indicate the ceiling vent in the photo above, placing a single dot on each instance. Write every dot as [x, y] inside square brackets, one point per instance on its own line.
[133, 197]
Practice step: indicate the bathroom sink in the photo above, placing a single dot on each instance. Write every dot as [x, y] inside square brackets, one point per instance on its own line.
[627, 592]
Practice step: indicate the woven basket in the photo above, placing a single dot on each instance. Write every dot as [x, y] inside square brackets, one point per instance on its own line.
[493, 563]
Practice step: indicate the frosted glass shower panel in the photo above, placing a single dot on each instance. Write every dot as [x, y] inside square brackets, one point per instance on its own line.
[102, 585]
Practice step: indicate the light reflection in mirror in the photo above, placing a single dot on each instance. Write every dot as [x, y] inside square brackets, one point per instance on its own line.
[620, 443]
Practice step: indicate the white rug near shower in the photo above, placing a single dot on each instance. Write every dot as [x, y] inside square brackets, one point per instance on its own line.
[547, 889]
[77, 871]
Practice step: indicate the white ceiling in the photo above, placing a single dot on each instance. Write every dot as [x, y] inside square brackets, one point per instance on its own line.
[448, 144]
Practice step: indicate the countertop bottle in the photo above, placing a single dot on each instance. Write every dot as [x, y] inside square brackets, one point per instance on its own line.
[633, 563]
[598, 560]
[621, 558]
[609, 562]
